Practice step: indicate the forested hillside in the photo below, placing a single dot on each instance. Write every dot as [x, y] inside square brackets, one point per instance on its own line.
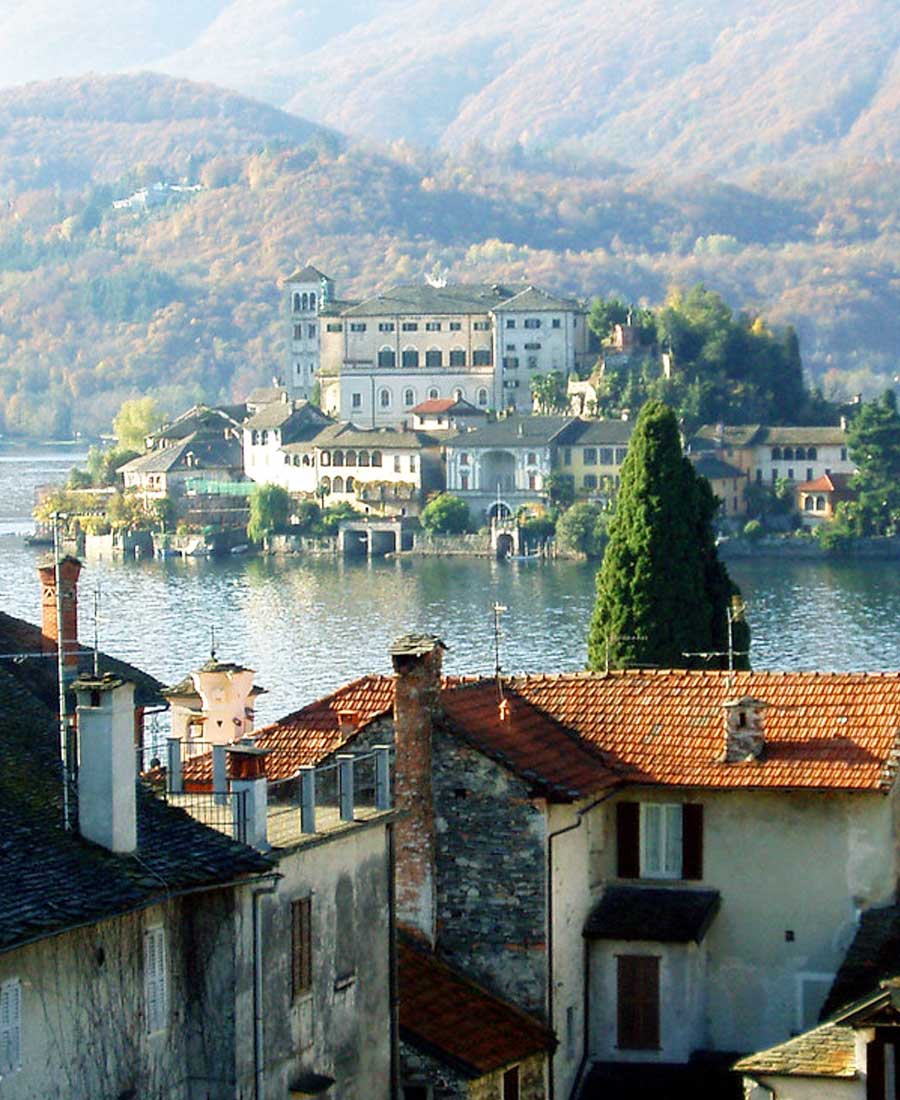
[670, 84]
[98, 304]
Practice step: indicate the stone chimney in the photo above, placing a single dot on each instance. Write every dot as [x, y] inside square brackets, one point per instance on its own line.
[417, 664]
[744, 730]
[69, 569]
[107, 811]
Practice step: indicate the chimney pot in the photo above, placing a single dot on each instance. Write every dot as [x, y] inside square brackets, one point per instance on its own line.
[107, 805]
[69, 570]
[744, 730]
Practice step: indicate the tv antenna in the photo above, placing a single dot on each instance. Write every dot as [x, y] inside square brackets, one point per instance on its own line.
[96, 603]
[498, 609]
[734, 613]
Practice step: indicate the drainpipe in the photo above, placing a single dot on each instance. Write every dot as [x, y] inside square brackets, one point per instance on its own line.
[580, 814]
[258, 1050]
[393, 985]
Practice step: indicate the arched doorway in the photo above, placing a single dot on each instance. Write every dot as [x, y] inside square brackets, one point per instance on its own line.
[499, 510]
[505, 545]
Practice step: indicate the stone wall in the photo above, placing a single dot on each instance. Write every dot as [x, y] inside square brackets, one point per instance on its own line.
[417, 1068]
[531, 1082]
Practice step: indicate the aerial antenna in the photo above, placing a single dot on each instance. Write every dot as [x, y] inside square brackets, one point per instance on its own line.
[734, 613]
[212, 642]
[498, 609]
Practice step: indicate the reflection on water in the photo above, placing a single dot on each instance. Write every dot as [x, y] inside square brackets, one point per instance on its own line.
[309, 625]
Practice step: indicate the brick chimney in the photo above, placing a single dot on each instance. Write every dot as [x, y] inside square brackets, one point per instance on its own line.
[417, 664]
[744, 730]
[107, 807]
[69, 569]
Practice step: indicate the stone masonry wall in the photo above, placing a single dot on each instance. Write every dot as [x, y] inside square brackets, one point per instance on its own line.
[531, 1082]
[417, 1068]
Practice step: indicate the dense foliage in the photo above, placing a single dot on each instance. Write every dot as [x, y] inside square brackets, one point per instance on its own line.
[663, 596]
[270, 507]
[874, 444]
[445, 515]
[583, 529]
[99, 305]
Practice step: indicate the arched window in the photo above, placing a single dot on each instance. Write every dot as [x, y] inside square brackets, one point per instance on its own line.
[457, 357]
[532, 458]
[808, 504]
[386, 357]
[350, 484]
[312, 300]
[481, 357]
[820, 504]
[326, 484]
[307, 460]
[376, 458]
[458, 394]
[464, 459]
[363, 458]
[325, 458]
[254, 439]
[811, 454]
[483, 397]
[287, 460]
[788, 453]
[337, 485]
[409, 397]
[337, 459]
[296, 303]
[433, 357]
[433, 393]
[297, 459]
[264, 437]
[776, 454]
[350, 458]
[305, 301]
[384, 399]
[410, 358]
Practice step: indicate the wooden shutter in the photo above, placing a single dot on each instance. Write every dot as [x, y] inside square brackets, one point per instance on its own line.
[10, 1026]
[155, 991]
[628, 839]
[638, 1002]
[301, 946]
[692, 841]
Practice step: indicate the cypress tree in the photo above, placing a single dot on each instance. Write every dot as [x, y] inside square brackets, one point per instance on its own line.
[662, 592]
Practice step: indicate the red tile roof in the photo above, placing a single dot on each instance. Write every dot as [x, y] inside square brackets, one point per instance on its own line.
[574, 733]
[829, 483]
[447, 1014]
[822, 730]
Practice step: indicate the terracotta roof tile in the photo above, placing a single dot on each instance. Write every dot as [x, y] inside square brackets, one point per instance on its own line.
[446, 1013]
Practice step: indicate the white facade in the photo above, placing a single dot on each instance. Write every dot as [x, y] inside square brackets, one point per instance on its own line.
[801, 461]
[307, 291]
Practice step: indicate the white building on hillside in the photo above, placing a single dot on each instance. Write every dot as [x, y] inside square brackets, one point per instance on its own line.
[308, 292]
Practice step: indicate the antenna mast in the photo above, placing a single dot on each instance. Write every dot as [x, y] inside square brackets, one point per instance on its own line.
[498, 610]
[61, 674]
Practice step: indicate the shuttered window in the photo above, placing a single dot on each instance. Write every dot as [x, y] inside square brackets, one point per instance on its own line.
[301, 946]
[10, 1026]
[156, 993]
[638, 1002]
[659, 840]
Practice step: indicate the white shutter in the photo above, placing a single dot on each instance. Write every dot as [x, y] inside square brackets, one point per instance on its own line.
[155, 986]
[10, 1026]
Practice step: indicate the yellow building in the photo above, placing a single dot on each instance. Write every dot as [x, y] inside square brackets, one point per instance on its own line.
[590, 454]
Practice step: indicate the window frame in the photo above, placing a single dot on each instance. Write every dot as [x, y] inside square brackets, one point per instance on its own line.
[10, 1026]
[156, 980]
[301, 948]
[663, 841]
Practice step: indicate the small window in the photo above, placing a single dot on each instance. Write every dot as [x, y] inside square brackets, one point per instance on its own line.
[556, 323]
[325, 458]
[589, 456]
[356, 400]
[301, 947]
[567, 456]
[621, 452]
[464, 459]
[481, 326]
[482, 398]
[357, 326]
[843, 454]
[410, 358]
[387, 357]
[531, 458]
[590, 481]
[310, 331]
[776, 454]
[790, 473]
[298, 332]
[458, 394]
[455, 326]
[384, 400]
[457, 357]
[337, 486]
[350, 458]
[410, 326]
[385, 326]
[433, 358]
[156, 1006]
[811, 454]
[362, 458]
[433, 394]
[820, 504]
[312, 300]
[397, 467]
[334, 326]
[326, 484]
[409, 398]
[337, 459]
[376, 458]
[607, 456]
[350, 484]
[510, 1090]
[532, 322]
[432, 326]
[660, 840]
[809, 473]
[10, 1026]
[481, 357]
[510, 323]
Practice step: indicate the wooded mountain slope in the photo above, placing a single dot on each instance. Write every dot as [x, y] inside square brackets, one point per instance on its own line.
[667, 84]
[98, 304]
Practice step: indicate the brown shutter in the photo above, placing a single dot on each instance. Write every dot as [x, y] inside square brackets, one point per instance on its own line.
[301, 947]
[628, 839]
[875, 1079]
[638, 1002]
[692, 840]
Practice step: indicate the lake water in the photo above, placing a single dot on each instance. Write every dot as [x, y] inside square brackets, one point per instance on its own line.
[308, 626]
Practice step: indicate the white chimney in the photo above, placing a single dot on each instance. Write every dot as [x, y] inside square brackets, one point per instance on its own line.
[107, 811]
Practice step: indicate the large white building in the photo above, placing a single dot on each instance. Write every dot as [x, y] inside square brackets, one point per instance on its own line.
[308, 293]
[481, 343]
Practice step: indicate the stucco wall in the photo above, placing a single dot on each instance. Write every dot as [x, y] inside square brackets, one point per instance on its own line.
[342, 1028]
[83, 1022]
[807, 1088]
[783, 862]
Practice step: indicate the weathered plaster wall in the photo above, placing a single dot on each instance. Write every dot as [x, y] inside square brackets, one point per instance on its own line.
[83, 1008]
[342, 1028]
[809, 1088]
[418, 1068]
[784, 862]
[682, 1000]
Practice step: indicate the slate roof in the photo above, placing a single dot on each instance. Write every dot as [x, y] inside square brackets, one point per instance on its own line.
[419, 299]
[728, 435]
[592, 433]
[873, 955]
[208, 453]
[306, 274]
[825, 731]
[266, 395]
[808, 435]
[515, 431]
[347, 434]
[654, 913]
[827, 1051]
[202, 419]
[52, 880]
[709, 466]
[446, 1015]
[534, 300]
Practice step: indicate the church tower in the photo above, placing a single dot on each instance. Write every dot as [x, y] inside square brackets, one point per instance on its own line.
[308, 291]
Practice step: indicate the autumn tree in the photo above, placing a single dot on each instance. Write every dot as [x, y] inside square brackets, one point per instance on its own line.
[135, 420]
[270, 507]
[663, 596]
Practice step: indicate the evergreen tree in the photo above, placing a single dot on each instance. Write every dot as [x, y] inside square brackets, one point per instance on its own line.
[662, 592]
[874, 444]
